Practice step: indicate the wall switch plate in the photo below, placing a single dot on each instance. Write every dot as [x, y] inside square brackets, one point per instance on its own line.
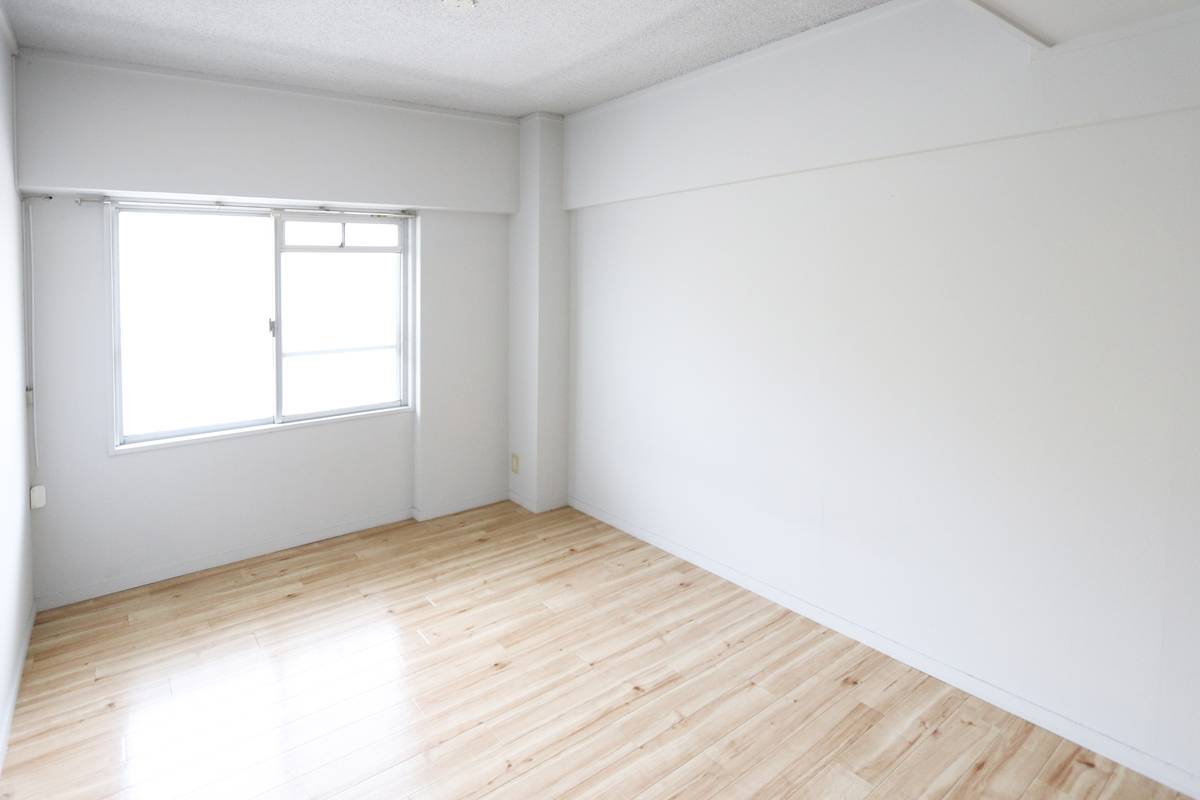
[516, 464]
[37, 497]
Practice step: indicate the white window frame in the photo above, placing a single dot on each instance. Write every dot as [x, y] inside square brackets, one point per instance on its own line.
[274, 326]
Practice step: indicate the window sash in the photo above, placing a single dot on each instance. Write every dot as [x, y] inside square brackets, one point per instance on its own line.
[281, 216]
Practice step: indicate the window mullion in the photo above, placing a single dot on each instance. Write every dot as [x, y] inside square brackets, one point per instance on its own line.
[278, 316]
[406, 306]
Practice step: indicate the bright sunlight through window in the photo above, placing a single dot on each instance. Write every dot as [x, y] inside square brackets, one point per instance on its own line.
[233, 318]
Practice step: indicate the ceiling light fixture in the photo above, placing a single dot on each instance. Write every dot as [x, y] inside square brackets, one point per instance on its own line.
[460, 3]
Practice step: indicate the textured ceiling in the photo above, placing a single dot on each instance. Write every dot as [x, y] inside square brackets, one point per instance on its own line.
[506, 57]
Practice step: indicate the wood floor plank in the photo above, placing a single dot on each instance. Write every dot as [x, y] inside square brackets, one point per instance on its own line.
[498, 654]
[935, 764]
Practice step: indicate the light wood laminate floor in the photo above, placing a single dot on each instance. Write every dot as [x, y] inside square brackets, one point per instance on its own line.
[498, 654]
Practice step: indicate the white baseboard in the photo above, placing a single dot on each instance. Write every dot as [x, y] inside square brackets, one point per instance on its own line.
[62, 597]
[435, 510]
[531, 506]
[10, 696]
[523, 501]
[1162, 771]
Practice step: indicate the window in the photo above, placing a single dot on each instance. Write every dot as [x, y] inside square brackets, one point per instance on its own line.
[237, 317]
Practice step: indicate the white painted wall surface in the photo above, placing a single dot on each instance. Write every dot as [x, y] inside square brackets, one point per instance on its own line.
[116, 521]
[944, 402]
[462, 444]
[93, 128]
[523, 280]
[538, 330]
[908, 76]
[16, 577]
[950, 399]
[553, 320]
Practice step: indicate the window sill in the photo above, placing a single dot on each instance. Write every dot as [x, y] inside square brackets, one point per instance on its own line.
[255, 430]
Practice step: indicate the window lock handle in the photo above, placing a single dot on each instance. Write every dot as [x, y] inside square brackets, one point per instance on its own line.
[271, 326]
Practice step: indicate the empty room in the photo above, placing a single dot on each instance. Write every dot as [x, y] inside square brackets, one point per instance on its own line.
[517, 400]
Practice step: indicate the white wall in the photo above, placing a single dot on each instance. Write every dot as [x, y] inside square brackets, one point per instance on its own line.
[115, 521]
[97, 128]
[16, 585]
[524, 269]
[462, 444]
[944, 401]
[538, 353]
[553, 321]
[905, 77]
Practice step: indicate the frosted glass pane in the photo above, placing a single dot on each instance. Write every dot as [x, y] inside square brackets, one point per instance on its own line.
[321, 234]
[331, 381]
[196, 291]
[364, 234]
[340, 300]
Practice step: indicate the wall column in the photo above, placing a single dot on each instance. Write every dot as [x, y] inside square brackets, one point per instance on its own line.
[538, 300]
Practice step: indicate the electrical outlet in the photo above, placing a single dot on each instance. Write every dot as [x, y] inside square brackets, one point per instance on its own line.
[516, 464]
[37, 496]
